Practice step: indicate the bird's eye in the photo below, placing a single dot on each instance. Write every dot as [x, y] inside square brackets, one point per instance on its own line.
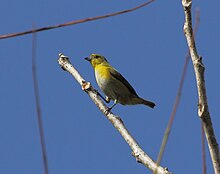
[96, 56]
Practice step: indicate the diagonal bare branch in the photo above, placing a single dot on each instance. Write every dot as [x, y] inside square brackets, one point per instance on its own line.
[116, 121]
[75, 22]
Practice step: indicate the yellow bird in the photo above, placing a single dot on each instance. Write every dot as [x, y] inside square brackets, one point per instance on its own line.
[113, 84]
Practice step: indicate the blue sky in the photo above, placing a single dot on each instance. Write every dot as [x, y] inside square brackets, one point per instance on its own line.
[147, 46]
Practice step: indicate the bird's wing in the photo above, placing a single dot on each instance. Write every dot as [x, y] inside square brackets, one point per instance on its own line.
[119, 77]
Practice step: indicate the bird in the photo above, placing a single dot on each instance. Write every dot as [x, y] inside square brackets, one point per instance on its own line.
[113, 84]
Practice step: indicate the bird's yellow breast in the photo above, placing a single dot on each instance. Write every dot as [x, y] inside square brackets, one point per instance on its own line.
[103, 71]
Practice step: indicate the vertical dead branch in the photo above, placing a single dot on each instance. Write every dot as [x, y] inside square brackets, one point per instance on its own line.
[38, 108]
[203, 110]
[116, 121]
[203, 151]
[178, 96]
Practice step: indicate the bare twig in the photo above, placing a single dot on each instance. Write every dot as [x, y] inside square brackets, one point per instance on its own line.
[178, 96]
[203, 151]
[203, 110]
[38, 108]
[75, 22]
[116, 121]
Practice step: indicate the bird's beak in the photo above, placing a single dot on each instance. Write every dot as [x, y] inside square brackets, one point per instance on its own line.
[88, 59]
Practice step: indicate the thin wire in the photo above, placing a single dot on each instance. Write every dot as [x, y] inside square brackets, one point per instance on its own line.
[75, 22]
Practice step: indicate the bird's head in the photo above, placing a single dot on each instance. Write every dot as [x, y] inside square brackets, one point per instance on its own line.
[96, 59]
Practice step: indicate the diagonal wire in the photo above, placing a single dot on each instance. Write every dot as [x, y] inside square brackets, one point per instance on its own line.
[38, 107]
[178, 96]
[75, 22]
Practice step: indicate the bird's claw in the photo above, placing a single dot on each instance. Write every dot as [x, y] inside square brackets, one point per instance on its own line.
[108, 110]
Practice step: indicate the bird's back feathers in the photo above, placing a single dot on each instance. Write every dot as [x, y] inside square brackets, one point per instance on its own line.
[119, 77]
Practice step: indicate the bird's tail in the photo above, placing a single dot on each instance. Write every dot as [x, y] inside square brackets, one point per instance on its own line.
[145, 102]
